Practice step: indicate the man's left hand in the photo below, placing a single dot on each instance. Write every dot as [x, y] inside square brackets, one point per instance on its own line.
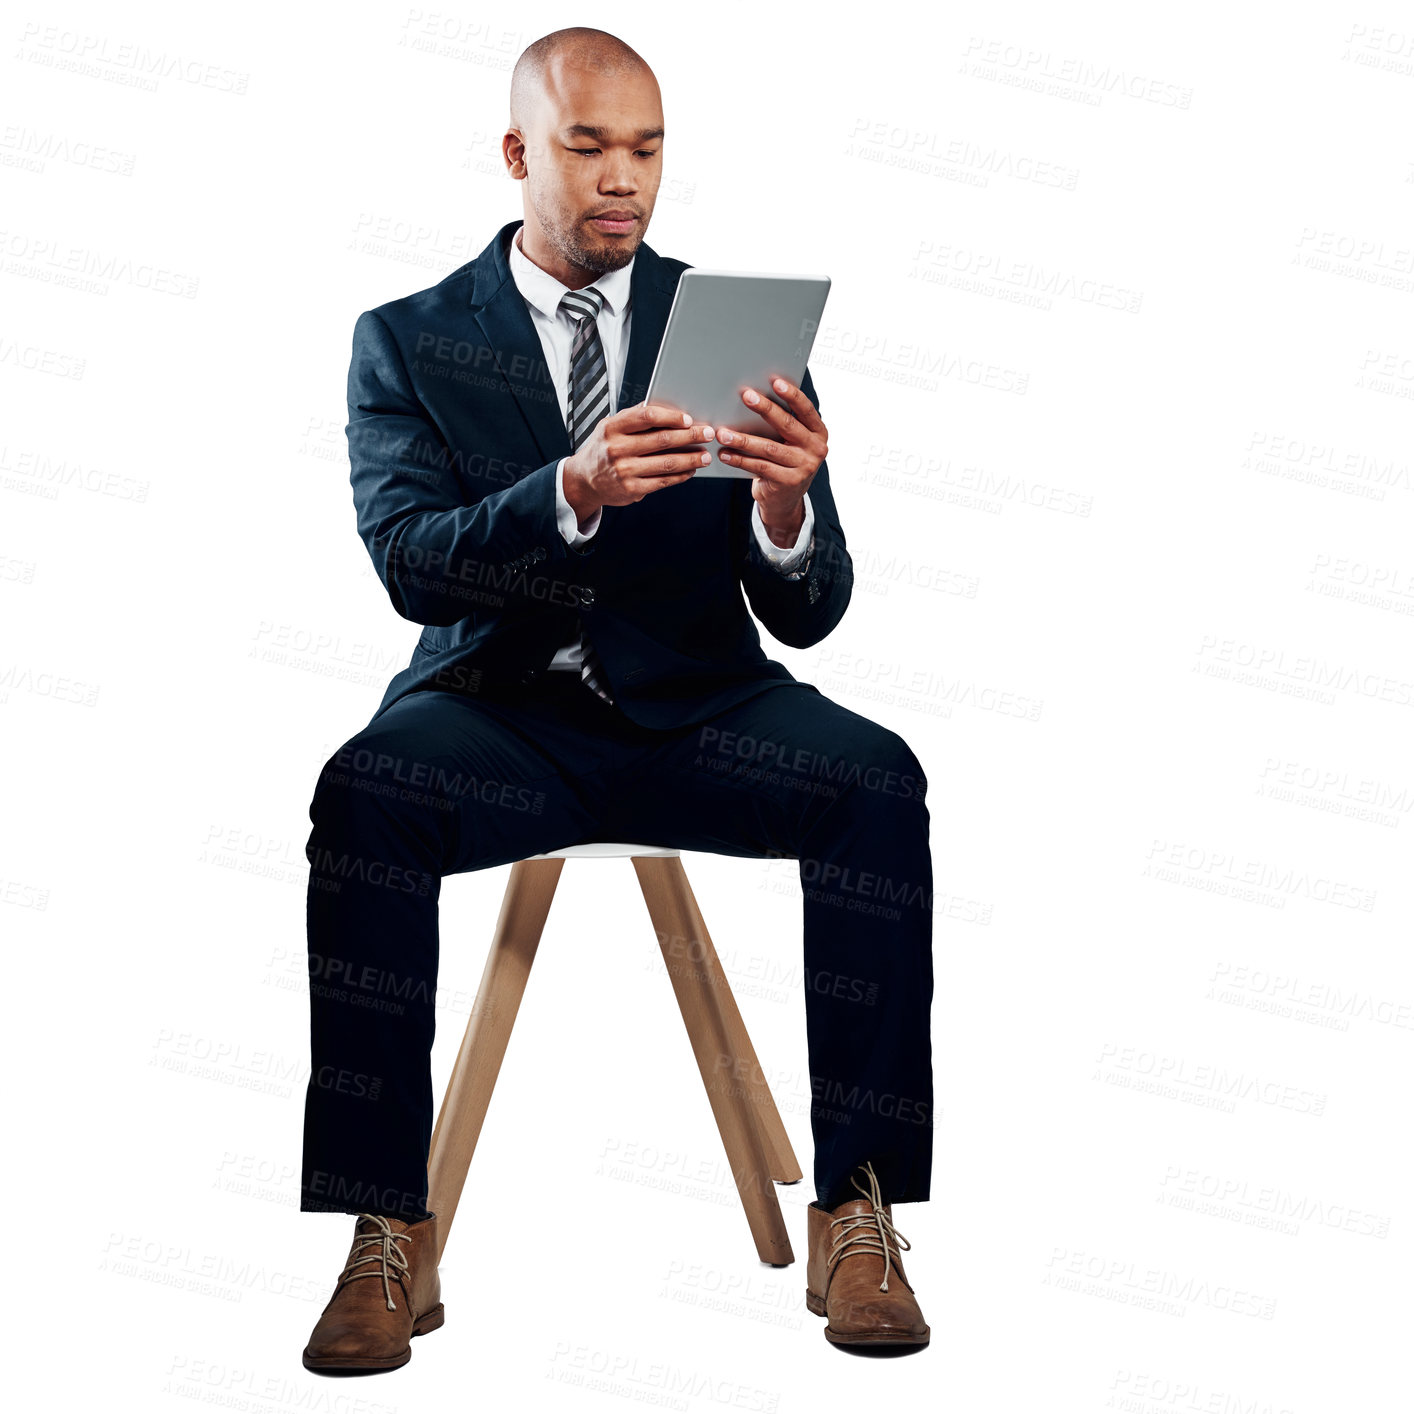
[781, 470]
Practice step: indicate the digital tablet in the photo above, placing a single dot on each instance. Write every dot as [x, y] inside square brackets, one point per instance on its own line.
[728, 331]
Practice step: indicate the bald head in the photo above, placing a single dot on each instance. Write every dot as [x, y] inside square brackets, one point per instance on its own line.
[585, 139]
[593, 53]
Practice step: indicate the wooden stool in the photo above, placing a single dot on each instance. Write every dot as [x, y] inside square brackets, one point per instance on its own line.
[758, 1150]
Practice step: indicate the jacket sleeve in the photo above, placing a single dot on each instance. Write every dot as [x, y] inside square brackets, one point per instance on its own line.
[429, 547]
[802, 607]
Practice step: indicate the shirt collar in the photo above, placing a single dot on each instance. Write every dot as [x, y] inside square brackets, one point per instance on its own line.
[545, 292]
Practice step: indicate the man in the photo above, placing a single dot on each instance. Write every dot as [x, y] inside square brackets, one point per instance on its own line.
[588, 671]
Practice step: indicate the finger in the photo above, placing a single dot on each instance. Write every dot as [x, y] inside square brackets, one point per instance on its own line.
[666, 437]
[642, 486]
[748, 444]
[791, 428]
[799, 404]
[642, 415]
[638, 468]
[654, 482]
[773, 472]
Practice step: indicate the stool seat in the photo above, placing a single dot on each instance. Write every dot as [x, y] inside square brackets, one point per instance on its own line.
[758, 1149]
[599, 850]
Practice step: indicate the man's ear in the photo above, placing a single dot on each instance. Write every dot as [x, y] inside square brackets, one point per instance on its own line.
[514, 141]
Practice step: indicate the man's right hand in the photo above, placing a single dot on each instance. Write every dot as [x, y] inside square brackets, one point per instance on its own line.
[633, 452]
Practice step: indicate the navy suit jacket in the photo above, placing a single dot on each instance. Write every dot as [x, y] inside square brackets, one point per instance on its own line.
[455, 433]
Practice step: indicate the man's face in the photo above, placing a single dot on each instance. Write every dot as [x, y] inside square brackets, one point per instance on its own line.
[593, 150]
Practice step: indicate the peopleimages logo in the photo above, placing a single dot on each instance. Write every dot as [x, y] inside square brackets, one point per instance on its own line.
[838, 770]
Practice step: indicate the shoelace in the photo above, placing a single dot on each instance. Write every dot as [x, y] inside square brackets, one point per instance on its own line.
[388, 1254]
[867, 1232]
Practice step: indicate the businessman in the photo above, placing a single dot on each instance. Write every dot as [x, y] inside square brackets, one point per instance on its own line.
[588, 670]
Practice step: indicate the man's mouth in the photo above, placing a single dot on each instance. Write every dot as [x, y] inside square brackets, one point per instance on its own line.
[615, 222]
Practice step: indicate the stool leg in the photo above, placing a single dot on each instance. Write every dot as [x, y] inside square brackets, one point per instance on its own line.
[699, 999]
[524, 908]
[784, 1166]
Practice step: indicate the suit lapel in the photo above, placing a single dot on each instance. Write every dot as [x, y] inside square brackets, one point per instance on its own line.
[500, 311]
[651, 287]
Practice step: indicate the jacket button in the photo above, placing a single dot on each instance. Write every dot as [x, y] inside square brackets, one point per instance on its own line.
[538, 552]
[529, 674]
[586, 597]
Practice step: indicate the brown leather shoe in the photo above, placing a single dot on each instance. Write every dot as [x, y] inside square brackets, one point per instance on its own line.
[854, 1274]
[367, 1325]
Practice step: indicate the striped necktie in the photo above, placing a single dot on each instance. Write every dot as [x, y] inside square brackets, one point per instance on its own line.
[588, 405]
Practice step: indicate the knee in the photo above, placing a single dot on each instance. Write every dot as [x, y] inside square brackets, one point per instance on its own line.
[348, 785]
[892, 768]
[380, 787]
[333, 778]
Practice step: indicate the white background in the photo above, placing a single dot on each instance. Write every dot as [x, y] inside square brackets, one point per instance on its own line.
[1118, 369]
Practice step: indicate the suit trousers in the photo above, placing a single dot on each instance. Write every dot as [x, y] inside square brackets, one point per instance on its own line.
[443, 783]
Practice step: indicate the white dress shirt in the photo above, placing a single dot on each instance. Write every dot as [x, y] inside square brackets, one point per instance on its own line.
[542, 293]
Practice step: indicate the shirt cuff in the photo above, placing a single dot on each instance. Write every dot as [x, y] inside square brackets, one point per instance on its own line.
[565, 517]
[784, 560]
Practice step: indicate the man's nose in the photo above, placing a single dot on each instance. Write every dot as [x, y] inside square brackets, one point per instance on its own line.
[619, 177]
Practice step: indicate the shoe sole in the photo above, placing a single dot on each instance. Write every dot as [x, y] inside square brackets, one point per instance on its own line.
[816, 1306]
[430, 1322]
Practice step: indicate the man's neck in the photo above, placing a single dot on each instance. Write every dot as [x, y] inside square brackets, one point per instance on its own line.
[588, 279]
